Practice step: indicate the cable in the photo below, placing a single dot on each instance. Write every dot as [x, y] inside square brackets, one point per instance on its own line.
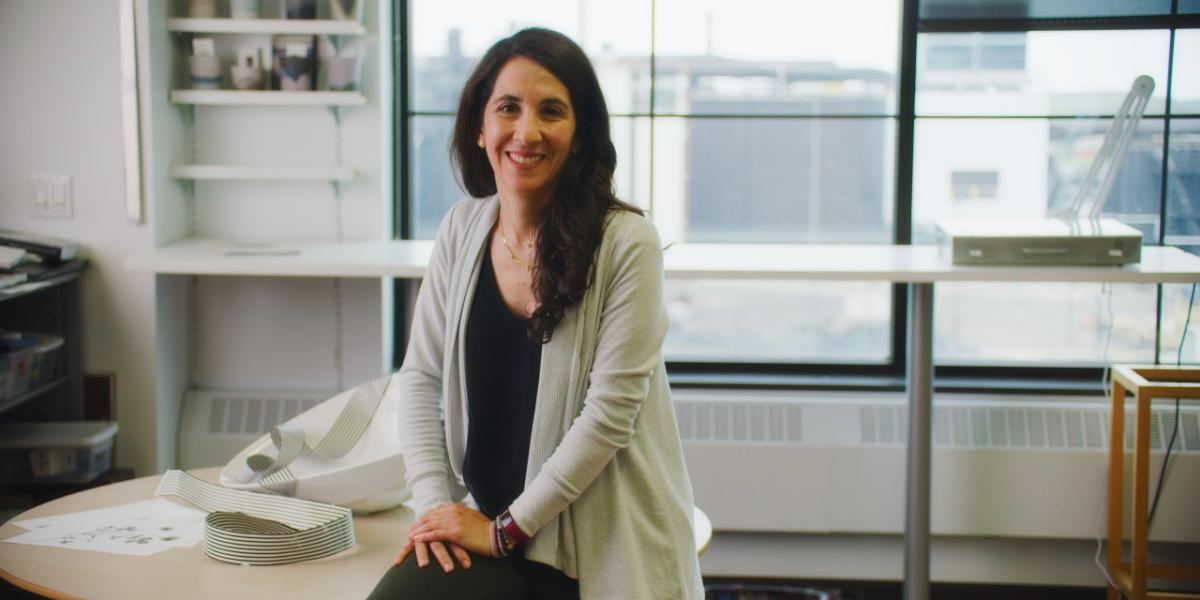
[1099, 544]
[1107, 289]
[1162, 473]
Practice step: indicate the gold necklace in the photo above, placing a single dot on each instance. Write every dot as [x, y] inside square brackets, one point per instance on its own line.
[513, 254]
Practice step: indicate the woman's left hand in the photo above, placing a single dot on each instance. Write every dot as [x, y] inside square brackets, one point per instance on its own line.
[454, 523]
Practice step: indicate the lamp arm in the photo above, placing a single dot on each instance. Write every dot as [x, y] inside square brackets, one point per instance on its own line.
[1103, 171]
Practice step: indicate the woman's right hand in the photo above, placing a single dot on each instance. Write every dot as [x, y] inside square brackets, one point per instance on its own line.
[422, 549]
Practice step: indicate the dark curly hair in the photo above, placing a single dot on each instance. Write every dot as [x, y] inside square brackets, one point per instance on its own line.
[572, 224]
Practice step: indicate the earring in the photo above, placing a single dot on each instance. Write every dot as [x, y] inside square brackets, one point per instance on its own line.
[479, 141]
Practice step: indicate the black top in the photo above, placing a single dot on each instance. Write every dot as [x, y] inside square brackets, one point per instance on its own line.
[502, 382]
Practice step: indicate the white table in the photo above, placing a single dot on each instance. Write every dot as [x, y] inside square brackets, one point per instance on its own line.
[188, 574]
[918, 266]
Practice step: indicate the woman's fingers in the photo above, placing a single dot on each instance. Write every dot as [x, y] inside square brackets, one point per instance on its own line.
[416, 529]
[430, 521]
[435, 527]
[440, 554]
[404, 552]
[443, 557]
[464, 559]
[422, 554]
[453, 524]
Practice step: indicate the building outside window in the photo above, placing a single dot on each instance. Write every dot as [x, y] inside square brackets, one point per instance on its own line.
[777, 123]
[974, 186]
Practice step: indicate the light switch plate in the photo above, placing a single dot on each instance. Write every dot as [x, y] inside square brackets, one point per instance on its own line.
[50, 196]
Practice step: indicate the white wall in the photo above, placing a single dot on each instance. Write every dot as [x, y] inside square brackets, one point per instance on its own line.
[59, 114]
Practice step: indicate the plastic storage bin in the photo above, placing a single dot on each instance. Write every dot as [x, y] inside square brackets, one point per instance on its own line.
[28, 361]
[16, 360]
[47, 356]
[70, 452]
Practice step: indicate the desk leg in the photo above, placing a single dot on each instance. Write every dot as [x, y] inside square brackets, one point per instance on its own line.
[920, 416]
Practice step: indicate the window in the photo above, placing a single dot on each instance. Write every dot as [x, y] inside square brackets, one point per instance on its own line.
[774, 122]
[1036, 114]
[448, 38]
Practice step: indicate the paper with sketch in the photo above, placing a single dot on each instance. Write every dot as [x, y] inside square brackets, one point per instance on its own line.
[139, 529]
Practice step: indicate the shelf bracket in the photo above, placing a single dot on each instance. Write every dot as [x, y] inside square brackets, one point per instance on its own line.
[338, 159]
[189, 114]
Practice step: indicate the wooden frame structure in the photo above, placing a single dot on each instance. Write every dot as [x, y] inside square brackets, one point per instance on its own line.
[1145, 383]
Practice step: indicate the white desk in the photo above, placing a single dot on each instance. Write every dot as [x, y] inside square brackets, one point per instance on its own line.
[897, 264]
[918, 266]
[186, 573]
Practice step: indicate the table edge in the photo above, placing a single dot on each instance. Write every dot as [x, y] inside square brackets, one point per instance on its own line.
[34, 588]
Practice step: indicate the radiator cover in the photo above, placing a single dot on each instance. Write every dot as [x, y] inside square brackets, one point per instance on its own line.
[835, 463]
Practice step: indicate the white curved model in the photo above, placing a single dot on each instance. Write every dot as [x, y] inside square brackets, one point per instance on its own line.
[368, 478]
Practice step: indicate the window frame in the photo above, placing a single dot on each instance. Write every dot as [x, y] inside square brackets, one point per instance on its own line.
[885, 376]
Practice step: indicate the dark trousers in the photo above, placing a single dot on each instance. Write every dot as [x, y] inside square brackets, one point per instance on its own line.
[511, 578]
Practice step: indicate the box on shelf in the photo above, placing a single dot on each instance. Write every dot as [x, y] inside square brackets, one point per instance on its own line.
[16, 360]
[28, 361]
[75, 452]
[47, 356]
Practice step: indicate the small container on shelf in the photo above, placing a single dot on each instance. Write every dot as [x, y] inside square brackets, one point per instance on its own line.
[294, 63]
[55, 452]
[16, 360]
[202, 9]
[341, 68]
[247, 73]
[206, 72]
[244, 9]
[300, 9]
[204, 66]
[342, 73]
[47, 356]
[345, 10]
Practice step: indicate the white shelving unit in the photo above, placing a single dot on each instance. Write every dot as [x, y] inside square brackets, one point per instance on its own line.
[249, 173]
[267, 98]
[270, 156]
[271, 26]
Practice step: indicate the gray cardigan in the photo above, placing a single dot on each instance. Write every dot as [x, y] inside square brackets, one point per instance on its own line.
[607, 494]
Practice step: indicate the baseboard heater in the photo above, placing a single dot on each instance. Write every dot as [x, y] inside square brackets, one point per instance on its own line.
[835, 463]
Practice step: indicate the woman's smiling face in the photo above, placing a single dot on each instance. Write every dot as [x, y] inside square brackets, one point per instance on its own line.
[528, 127]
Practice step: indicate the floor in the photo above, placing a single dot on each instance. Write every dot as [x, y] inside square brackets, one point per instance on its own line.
[834, 590]
[723, 589]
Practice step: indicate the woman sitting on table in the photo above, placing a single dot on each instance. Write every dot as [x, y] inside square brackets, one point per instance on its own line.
[534, 377]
